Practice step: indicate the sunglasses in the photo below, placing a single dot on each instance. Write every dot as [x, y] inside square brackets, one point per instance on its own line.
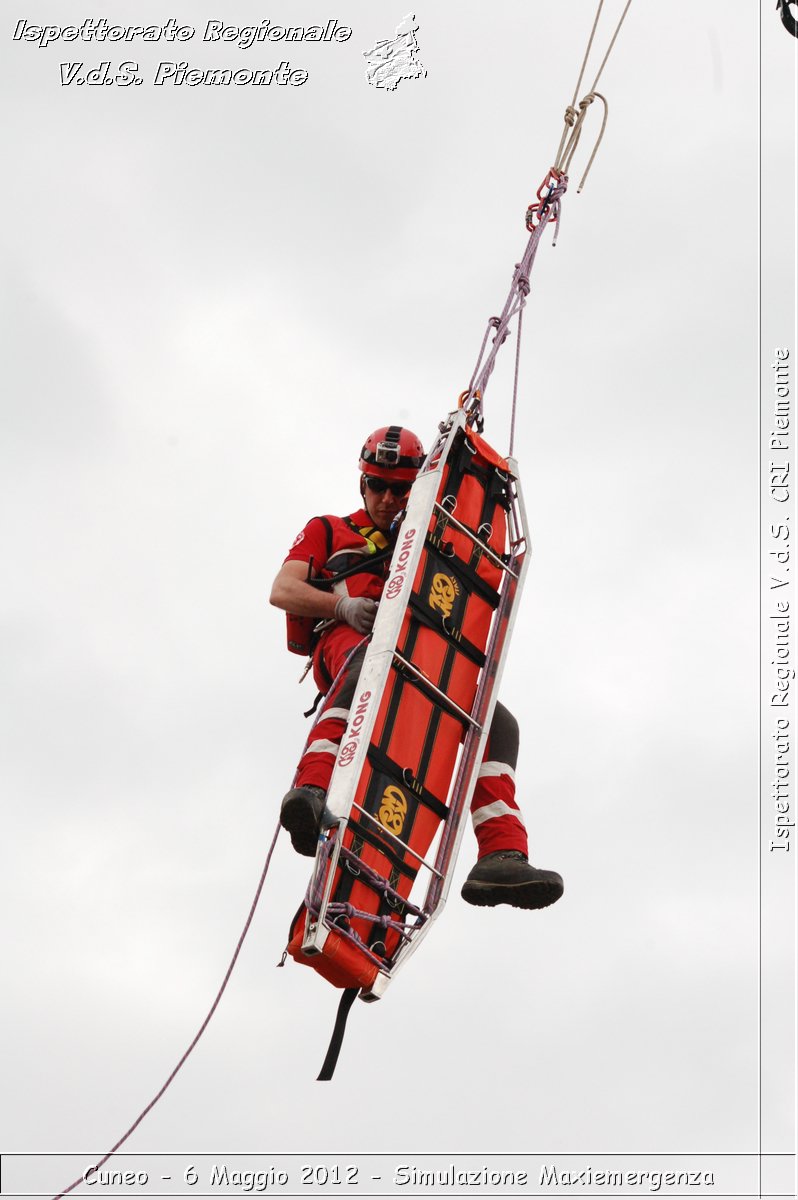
[378, 486]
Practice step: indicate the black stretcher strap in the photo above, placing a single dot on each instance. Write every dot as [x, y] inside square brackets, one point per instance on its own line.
[387, 766]
[465, 572]
[334, 1049]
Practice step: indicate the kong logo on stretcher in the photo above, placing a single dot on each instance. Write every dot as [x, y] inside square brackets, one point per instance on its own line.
[349, 748]
[394, 585]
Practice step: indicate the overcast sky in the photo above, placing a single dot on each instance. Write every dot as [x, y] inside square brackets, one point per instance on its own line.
[213, 295]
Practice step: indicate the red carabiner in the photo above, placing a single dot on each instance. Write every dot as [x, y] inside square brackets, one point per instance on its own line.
[534, 211]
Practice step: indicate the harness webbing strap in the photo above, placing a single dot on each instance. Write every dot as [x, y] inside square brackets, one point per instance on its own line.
[334, 1049]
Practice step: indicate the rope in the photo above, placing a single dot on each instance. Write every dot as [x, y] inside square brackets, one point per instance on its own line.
[515, 380]
[563, 163]
[538, 217]
[572, 106]
[200, 1031]
[574, 117]
[612, 42]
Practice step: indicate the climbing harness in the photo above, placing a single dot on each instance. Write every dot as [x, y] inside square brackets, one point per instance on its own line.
[368, 552]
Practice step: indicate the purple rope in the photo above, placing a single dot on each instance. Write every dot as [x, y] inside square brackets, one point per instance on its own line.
[200, 1031]
[379, 882]
[351, 913]
[515, 380]
[519, 289]
[316, 886]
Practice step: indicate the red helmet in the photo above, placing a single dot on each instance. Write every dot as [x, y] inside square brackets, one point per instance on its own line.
[392, 453]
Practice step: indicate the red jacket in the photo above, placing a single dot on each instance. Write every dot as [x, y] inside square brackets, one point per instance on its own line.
[331, 545]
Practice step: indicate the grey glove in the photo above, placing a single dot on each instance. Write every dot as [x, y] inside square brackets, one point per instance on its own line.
[357, 611]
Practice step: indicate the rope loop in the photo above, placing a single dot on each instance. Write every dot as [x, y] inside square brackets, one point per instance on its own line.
[573, 120]
[570, 140]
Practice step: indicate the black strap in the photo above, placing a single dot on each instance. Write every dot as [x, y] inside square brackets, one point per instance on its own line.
[328, 534]
[319, 697]
[369, 563]
[379, 759]
[334, 1048]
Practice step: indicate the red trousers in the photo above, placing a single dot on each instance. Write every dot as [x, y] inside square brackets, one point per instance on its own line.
[496, 817]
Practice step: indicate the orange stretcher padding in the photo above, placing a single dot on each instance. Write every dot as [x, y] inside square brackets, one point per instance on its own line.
[414, 746]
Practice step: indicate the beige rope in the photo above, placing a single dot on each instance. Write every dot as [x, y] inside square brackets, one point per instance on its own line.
[574, 118]
[612, 43]
[587, 53]
[564, 164]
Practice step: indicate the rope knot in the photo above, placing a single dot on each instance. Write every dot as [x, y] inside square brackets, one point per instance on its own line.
[570, 115]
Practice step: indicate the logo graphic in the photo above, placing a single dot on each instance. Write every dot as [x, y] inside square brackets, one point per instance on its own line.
[443, 593]
[391, 60]
[789, 22]
[394, 585]
[393, 809]
[349, 748]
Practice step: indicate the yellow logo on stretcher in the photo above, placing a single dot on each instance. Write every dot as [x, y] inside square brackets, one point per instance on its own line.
[443, 593]
[393, 809]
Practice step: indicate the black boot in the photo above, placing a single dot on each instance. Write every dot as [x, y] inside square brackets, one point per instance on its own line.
[300, 813]
[507, 877]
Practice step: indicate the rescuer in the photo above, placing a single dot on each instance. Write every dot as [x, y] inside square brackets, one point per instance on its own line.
[330, 624]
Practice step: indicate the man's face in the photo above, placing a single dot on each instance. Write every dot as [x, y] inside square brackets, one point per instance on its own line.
[383, 506]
